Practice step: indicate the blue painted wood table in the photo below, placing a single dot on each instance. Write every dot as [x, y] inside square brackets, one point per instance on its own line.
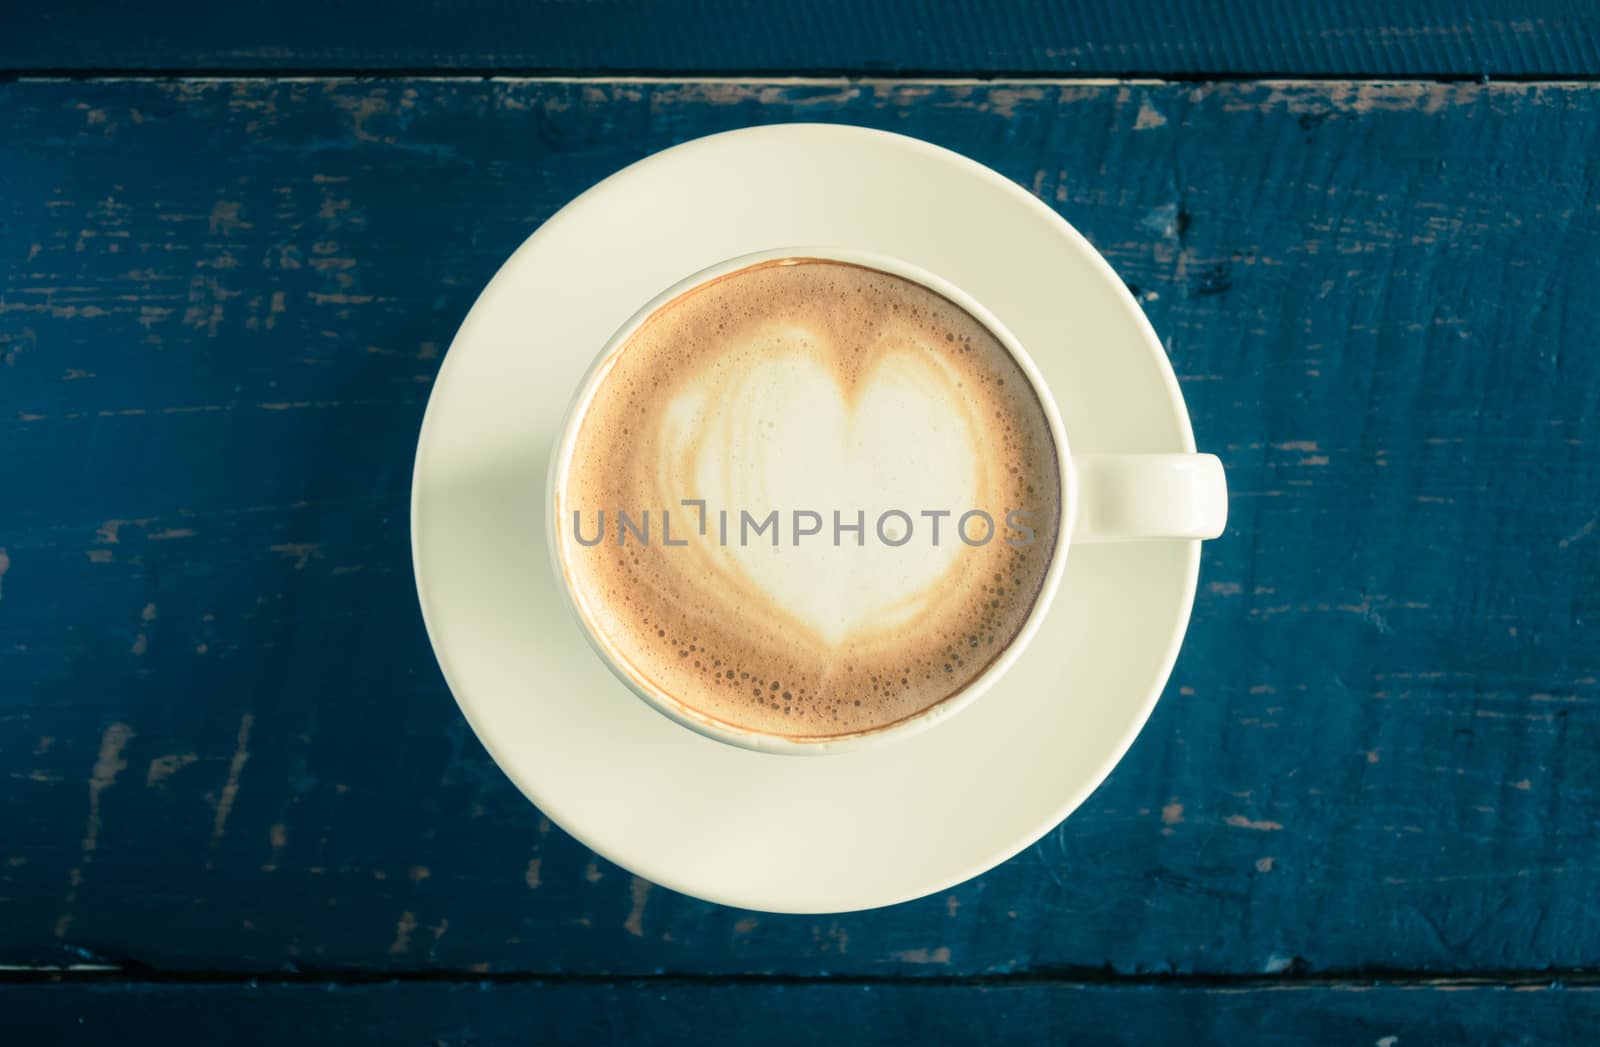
[238, 803]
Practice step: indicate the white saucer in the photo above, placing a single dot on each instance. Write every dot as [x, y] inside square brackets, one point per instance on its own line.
[788, 834]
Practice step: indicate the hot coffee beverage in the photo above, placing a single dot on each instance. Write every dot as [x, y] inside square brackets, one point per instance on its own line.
[809, 499]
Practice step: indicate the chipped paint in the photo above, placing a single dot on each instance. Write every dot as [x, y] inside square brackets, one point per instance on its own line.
[832, 938]
[164, 767]
[1580, 534]
[301, 553]
[1239, 821]
[230, 788]
[110, 532]
[639, 894]
[277, 840]
[402, 934]
[1149, 117]
[108, 764]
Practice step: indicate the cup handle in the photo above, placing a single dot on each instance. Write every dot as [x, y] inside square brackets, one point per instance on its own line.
[1134, 497]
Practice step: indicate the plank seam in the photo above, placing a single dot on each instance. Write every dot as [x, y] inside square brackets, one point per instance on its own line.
[820, 76]
[1577, 979]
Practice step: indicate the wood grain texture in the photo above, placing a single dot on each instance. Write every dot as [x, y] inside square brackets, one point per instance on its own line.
[657, 1012]
[226, 745]
[1465, 38]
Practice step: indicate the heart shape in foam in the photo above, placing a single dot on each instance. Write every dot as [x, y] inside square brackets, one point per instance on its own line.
[788, 427]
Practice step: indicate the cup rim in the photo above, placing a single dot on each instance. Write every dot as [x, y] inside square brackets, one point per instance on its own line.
[757, 741]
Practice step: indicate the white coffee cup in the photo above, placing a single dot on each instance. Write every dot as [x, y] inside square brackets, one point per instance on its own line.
[1105, 498]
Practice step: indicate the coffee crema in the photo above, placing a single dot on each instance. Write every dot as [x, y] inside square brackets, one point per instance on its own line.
[831, 394]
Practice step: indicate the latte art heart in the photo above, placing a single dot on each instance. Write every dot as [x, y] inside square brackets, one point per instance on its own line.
[783, 434]
[823, 399]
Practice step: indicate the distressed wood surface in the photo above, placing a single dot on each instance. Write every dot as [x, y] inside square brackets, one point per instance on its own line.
[1527, 38]
[226, 745]
[668, 1012]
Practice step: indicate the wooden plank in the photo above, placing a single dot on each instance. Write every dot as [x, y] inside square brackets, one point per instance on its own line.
[1530, 38]
[226, 745]
[657, 1012]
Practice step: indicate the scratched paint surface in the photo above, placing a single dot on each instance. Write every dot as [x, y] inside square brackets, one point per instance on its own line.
[224, 740]
[694, 1014]
[1548, 38]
